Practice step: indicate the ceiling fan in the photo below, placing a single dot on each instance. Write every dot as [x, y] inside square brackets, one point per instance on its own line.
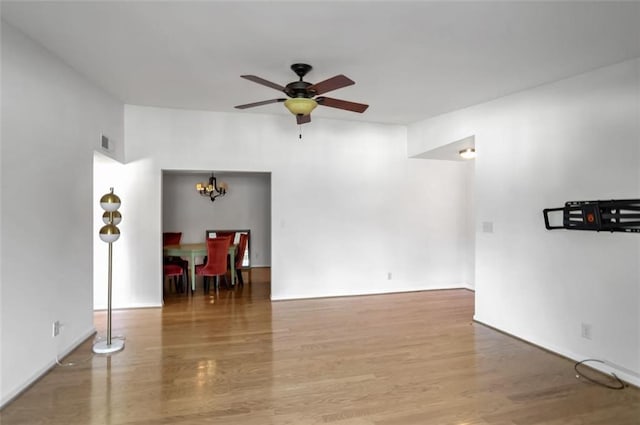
[303, 96]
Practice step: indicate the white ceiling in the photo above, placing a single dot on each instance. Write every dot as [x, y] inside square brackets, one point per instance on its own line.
[410, 60]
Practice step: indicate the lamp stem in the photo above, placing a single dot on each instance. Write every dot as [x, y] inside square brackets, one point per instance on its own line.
[109, 298]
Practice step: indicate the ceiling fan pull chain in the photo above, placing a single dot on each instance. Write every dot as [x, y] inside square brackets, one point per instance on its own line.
[300, 131]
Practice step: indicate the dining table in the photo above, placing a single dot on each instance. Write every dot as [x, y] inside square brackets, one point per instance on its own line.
[193, 250]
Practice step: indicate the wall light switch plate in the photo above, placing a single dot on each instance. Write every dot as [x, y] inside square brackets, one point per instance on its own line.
[586, 331]
[56, 328]
[487, 227]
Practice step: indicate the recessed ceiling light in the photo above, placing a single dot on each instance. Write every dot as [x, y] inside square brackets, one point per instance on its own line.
[468, 153]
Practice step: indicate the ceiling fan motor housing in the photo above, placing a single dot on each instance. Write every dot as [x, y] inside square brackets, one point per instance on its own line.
[299, 89]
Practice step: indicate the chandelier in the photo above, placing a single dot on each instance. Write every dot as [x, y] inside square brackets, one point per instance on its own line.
[212, 189]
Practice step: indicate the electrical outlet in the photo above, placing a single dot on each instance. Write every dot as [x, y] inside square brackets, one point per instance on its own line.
[56, 328]
[586, 330]
[389, 276]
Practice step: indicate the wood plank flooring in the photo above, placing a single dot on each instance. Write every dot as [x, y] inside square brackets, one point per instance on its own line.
[237, 358]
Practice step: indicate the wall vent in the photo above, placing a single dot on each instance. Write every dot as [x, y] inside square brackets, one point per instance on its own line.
[104, 142]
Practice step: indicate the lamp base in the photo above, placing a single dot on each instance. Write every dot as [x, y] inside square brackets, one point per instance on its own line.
[103, 348]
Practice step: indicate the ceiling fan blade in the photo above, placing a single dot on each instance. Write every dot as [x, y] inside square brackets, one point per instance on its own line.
[264, 102]
[303, 119]
[342, 104]
[333, 83]
[264, 82]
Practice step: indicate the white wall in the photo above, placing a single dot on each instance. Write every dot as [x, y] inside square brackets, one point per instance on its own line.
[468, 241]
[247, 205]
[577, 139]
[51, 123]
[348, 207]
[108, 173]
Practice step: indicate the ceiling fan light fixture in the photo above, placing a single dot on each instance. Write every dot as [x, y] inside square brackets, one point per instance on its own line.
[300, 105]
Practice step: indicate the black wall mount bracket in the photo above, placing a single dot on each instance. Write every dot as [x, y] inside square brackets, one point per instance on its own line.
[616, 215]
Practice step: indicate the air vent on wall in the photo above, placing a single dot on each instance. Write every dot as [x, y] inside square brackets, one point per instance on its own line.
[104, 142]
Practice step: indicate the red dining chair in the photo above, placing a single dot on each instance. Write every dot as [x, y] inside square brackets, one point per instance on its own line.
[231, 234]
[175, 273]
[173, 238]
[242, 247]
[216, 265]
[224, 234]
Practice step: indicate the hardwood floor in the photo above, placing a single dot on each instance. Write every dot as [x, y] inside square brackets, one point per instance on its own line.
[237, 358]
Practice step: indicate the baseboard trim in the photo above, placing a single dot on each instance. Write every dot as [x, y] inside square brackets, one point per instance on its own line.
[627, 376]
[128, 307]
[369, 294]
[46, 369]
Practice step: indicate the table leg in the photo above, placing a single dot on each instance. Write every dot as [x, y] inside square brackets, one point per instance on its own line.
[232, 267]
[192, 266]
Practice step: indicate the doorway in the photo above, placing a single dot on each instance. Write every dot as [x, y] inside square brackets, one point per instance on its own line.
[246, 205]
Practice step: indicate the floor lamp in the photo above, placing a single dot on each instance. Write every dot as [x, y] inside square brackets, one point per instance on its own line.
[109, 233]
